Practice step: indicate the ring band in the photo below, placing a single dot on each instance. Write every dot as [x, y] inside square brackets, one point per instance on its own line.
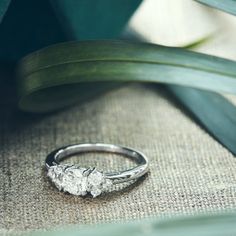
[78, 180]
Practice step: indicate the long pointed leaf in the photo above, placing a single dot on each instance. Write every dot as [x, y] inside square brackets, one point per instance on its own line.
[49, 74]
[213, 111]
[224, 5]
[89, 19]
[204, 225]
[3, 8]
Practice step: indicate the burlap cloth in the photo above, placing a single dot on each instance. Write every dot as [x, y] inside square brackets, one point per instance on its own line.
[189, 171]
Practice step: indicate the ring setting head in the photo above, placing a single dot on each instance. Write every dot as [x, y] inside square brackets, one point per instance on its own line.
[78, 180]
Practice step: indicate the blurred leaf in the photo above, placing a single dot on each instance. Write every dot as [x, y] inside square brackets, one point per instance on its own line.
[23, 31]
[171, 22]
[3, 7]
[224, 5]
[203, 225]
[89, 19]
[27, 26]
[212, 110]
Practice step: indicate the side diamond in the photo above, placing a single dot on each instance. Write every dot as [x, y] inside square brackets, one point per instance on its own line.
[97, 183]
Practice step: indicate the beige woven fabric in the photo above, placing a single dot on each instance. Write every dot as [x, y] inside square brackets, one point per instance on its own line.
[189, 172]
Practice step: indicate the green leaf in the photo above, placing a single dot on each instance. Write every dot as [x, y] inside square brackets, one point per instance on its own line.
[3, 8]
[50, 73]
[204, 225]
[224, 5]
[24, 29]
[89, 19]
[213, 111]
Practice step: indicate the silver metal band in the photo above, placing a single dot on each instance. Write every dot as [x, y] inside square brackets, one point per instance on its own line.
[64, 175]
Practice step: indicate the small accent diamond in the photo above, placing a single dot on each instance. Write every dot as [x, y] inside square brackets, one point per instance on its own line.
[78, 180]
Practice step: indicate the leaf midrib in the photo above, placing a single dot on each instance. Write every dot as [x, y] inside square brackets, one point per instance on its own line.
[132, 61]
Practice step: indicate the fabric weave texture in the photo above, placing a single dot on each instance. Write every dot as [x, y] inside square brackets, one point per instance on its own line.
[189, 171]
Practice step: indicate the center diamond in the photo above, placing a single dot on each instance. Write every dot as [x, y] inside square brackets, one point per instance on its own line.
[78, 180]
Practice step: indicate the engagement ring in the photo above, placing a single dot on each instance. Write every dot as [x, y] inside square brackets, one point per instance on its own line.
[78, 180]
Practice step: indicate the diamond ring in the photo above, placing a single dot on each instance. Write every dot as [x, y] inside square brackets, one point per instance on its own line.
[80, 181]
